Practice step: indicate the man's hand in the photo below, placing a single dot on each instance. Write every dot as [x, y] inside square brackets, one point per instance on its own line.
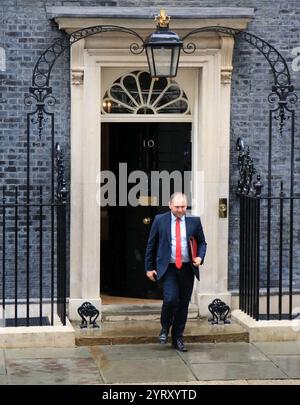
[152, 275]
[197, 261]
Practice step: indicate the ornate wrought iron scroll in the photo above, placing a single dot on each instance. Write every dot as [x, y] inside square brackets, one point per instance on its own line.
[61, 187]
[246, 185]
[275, 59]
[282, 95]
[44, 65]
[40, 92]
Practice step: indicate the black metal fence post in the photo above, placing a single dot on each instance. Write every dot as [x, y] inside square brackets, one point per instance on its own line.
[61, 225]
[257, 264]
[61, 261]
[242, 255]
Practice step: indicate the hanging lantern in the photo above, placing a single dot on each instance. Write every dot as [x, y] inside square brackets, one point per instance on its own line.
[163, 49]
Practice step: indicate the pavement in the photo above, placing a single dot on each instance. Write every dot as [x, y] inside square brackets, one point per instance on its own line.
[238, 363]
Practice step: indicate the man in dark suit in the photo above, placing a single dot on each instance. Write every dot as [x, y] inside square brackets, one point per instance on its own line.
[169, 259]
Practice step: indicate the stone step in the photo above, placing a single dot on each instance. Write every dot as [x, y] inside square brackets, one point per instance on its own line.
[134, 332]
[138, 312]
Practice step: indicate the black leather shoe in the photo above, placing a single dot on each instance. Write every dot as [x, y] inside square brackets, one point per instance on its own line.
[179, 345]
[163, 337]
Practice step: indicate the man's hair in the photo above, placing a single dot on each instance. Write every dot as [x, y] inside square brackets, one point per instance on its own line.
[177, 194]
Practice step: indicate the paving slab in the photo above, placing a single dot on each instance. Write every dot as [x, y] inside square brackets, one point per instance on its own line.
[240, 382]
[53, 372]
[246, 382]
[288, 364]
[234, 371]
[140, 364]
[4, 380]
[46, 353]
[278, 347]
[2, 363]
[228, 382]
[219, 382]
[274, 382]
[138, 370]
[211, 382]
[133, 352]
[238, 352]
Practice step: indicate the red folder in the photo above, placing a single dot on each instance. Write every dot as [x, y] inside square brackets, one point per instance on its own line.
[194, 248]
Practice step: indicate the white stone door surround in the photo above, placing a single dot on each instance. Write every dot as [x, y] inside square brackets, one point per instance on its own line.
[210, 140]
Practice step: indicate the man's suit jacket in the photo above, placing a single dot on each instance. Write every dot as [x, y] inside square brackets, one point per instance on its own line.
[158, 251]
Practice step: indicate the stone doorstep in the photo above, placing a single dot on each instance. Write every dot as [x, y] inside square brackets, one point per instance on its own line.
[138, 312]
[136, 332]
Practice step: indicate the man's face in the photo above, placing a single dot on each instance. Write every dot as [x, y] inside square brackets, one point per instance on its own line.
[178, 206]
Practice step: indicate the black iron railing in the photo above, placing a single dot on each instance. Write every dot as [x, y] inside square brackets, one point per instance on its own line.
[268, 247]
[249, 254]
[33, 252]
[267, 264]
[33, 265]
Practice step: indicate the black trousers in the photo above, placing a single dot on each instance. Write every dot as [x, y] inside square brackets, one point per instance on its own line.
[177, 287]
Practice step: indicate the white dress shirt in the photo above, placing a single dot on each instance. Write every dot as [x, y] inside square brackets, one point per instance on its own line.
[184, 244]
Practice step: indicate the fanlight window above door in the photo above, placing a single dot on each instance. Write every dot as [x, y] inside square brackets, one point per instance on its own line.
[138, 93]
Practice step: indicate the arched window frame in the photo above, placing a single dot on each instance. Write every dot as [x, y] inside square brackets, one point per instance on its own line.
[144, 101]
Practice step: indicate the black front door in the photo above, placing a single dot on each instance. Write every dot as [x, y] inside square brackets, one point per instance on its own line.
[147, 147]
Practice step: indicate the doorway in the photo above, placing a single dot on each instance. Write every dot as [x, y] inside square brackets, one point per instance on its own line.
[147, 147]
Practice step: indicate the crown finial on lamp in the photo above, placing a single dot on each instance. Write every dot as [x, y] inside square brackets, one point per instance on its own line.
[163, 19]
